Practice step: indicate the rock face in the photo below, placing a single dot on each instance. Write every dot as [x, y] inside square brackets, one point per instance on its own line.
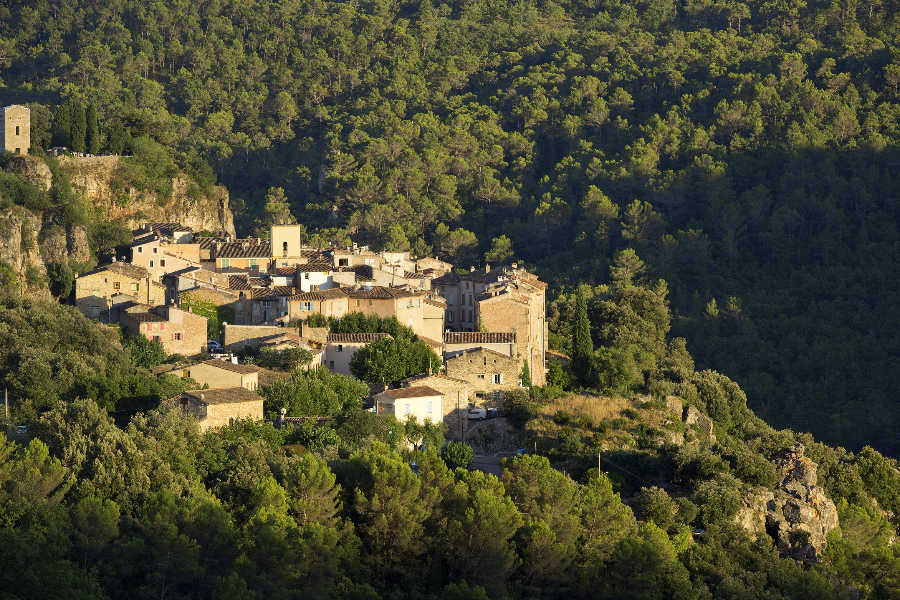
[798, 516]
[94, 177]
[692, 415]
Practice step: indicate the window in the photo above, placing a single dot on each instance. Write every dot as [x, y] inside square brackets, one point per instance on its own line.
[151, 264]
[156, 338]
[135, 287]
[95, 311]
[467, 285]
[226, 263]
[369, 261]
[480, 376]
[254, 263]
[284, 264]
[239, 306]
[449, 317]
[149, 327]
[429, 407]
[399, 304]
[409, 322]
[116, 285]
[265, 315]
[357, 302]
[340, 305]
[408, 411]
[306, 276]
[331, 364]
[306, 306]
[185, 373]
[418, 302]
[284, 248]
[370, 303]
[470, 299]
[450, 300]
[162, 262]
[96, 293]
[177, 336]
[265, 303]
[342, 262]
[284, 300]
[409, 303]
[140, 249]
[340, 347]
[162, 326]
[497, 378]
[283, 313]
[239, 320]
[155, 250]
[17, 130]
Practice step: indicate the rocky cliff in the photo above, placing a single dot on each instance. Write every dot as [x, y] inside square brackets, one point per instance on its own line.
[798, 515]
[33, 240]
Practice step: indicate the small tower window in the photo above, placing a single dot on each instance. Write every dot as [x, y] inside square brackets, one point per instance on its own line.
[17, 130]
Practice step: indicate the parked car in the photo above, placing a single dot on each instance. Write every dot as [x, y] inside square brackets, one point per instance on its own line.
[477, 413]
[213, 346]
[21, 430]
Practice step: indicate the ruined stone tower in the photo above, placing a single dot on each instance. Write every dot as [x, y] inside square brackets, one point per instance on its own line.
[15, 129]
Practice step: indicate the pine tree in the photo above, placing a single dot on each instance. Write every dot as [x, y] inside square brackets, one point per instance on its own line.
[92, 141]
[62, 125]
[582, 345]
[79, 126]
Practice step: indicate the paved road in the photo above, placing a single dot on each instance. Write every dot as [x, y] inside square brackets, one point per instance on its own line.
[489, 463]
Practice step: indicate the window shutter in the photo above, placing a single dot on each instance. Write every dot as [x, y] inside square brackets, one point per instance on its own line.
[500, 378]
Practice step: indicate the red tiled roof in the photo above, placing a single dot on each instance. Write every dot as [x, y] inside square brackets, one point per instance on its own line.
[263, 294]
[314, 267]
[230, 366]
[224, 395]
[479, 349]
[419, 391]
[355, 338]
[431, 342]
[238, 282]
[478, 337]
[237, 250]
[147, 317]
[284, 290]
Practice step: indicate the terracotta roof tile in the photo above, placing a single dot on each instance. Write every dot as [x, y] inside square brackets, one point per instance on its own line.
[147, 317]
[229, 366]
[419, 391]
[237, 249]
[238, 282]
[284, 290]
[478, 337]
[462, 353]
[224, 395]
[263, 294]
[355, 338]
[315, 267]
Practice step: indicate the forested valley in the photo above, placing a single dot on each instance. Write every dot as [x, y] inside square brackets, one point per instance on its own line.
[709, 188]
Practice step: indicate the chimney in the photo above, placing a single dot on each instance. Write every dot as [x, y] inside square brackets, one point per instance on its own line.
[114, 258]
[514, 265]
[471, 269]
[487, 268]
[202, 397]
[190, 309]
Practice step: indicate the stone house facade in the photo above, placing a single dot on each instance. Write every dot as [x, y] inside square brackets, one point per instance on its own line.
[237, 336]
[218, 374]
[422, 402]
[486, 371]
[15, 129]
[95, 289]
[221, 407]
[454, 403]
[179, 331]
[270, 305]
[340, 348]
[502, 343]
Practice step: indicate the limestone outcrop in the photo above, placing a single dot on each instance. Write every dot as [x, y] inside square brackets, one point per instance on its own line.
[798, 515]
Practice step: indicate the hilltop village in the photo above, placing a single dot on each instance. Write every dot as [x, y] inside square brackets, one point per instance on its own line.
[487, 325]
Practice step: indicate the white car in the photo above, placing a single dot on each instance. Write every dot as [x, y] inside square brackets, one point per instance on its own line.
[477, 413]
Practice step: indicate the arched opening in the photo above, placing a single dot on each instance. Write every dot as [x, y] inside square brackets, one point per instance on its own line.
[17, 130]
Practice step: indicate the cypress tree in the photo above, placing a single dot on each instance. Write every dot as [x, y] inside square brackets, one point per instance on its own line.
[582, 345]
[79, 126]
[62, 125]
[92, 141]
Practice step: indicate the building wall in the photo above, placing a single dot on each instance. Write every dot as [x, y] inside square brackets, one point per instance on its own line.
[219, 378]
[432, 321]
[264, 315]
[106, 284]
[329, 308]
[305, 281]
[239, 265]
[292, 235]
[418, 407]
[212, 416]
[337, 356]
[12, 117]
[478, 368]
[190, 328]
[454, 403]
[505, 349]
[236, 335]
[504, 313]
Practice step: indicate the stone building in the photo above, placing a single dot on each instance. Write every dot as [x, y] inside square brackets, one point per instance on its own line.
[486, 371]
[422, 402]
[341, 347]
[15, 129]
[457, 341]
[179, 331]
[455, 401]
[216, 374]
[220, 407]
[503, 299]
[237, 336]
[95, 289]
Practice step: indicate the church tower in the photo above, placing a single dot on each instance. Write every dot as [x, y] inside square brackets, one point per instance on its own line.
[15, 129]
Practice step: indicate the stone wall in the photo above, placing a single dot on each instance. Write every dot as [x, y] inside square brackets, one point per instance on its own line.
[106, 284]
[236, 334]
[477, 367]
[15, 129]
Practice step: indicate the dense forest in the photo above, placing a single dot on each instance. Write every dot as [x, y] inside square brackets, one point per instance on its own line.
[745, 151]
[111, 495]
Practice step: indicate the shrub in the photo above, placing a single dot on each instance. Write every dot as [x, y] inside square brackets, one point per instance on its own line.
[518, 407]
[569, 442]
[457, 455]
[632, 414]
[655, 505]
[586, 422]
[313, 436]
[562, 417]
[719, 499]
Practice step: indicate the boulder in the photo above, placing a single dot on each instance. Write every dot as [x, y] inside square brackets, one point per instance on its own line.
[798, 515]
[674, 404]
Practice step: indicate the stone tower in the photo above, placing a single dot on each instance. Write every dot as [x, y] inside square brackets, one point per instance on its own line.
[15, 129]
